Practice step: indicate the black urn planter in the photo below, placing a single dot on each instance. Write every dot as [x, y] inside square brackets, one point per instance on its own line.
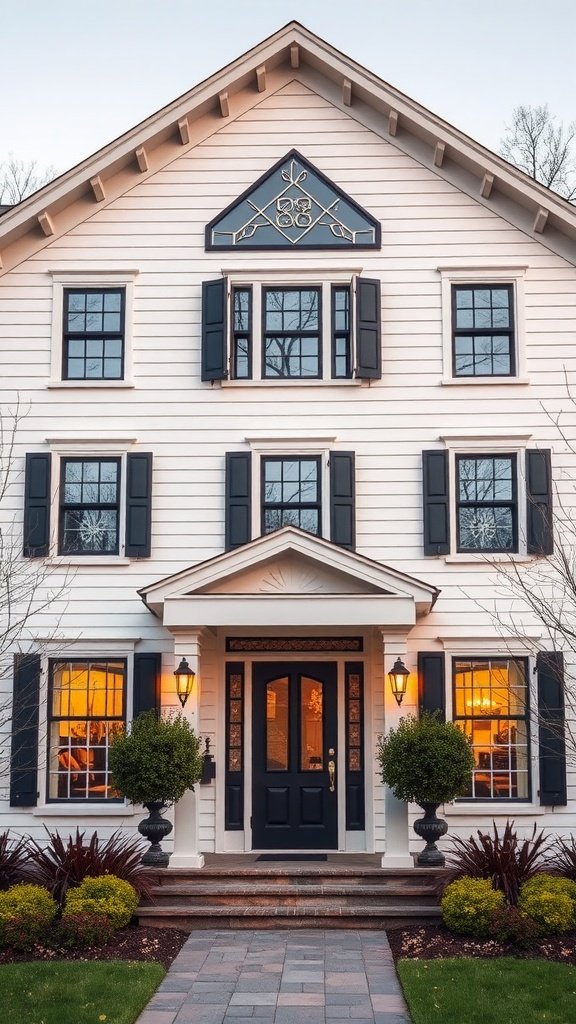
[431, 828]
[155, 828]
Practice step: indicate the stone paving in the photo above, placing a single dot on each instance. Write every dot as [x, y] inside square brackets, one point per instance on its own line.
[280, 977]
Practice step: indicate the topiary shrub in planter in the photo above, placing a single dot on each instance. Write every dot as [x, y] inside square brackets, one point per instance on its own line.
[428, 762]
[468, 905]
[154, 764]
[107, 895]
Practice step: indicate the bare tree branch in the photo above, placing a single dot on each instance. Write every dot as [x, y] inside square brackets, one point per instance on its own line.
[543, 148]
[20, 178]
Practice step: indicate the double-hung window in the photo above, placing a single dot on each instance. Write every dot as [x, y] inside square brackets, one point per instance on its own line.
[490, 701]
[483, 330]
[89, 506]
[86, 706]
[291, 493]
[486, 503]
[93, 337]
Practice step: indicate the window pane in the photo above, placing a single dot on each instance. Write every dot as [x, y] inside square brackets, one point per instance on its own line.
[486, 529]
[311, 724]
[88, 530]
[277, 725]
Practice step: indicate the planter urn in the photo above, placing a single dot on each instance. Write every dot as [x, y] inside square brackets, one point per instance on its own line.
[155, 828]
[431, 828]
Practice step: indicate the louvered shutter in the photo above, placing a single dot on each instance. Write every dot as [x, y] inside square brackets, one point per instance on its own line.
[238, 499]
[342, 499]
[368, 329]
[431, 683]
[138, 504]
[551, 728]
[436, 502]
[24, 745]
[147, 678]
[539, 525]
[214, 347]
[37, 505]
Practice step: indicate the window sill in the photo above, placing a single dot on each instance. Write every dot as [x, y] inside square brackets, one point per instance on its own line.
[489, 557]
[293, 383]
[69, 810]
[506, 808]
[482, 381]
[65, 385]
[88, 560]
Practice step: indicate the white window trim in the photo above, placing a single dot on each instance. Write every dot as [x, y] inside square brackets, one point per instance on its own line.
[492, 647]
[298, 446]
[79, 447]
[317, 277]
[62, 279]
[480, 443]
[474, 275]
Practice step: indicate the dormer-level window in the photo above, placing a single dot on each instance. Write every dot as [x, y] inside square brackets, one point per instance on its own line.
[483, 330]
[93, 335]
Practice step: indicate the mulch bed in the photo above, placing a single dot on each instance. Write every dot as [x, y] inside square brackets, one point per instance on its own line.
[132, 943]
[429, 942]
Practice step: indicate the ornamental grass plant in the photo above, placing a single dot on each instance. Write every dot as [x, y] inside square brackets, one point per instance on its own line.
[501, 857]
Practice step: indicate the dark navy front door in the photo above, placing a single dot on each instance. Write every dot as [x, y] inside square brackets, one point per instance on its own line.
[294, 732]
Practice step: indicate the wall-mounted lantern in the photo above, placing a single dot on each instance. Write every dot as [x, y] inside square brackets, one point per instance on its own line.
[398, 676]
[184, 681]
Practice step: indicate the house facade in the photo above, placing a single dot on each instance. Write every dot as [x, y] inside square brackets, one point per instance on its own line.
[287, 361]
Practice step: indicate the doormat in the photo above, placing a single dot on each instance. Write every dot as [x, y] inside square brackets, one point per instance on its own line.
[292, 856]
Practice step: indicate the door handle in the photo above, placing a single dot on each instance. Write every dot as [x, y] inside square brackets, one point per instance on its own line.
[332, 775]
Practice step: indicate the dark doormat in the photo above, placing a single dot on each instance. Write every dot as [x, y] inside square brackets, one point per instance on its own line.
[292, 856]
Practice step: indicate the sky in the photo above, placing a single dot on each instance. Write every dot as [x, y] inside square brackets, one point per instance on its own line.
[75, 74]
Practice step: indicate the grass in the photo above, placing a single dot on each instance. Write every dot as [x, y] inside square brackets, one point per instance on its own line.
[73, 991]
[499, 991]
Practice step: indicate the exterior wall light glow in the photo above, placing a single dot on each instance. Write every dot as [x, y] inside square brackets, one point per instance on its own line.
[184, 681]
[398, 676]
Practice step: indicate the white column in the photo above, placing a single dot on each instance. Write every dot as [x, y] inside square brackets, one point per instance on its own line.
[186, 853]
[397, 831]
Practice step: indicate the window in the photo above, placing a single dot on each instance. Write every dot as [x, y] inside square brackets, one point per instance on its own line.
[491, 708]
[486, 503]
[89, 506]
[93, 342]
[86, 707]
[291, 494]
[270, 330]
[483, 330]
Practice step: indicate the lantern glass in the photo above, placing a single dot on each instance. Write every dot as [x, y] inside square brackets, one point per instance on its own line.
[184, 681]
[398, 676]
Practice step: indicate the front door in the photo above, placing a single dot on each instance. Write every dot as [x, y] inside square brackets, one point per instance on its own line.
[294, 799]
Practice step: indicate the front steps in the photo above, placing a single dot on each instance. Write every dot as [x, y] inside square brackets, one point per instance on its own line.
[338, 894]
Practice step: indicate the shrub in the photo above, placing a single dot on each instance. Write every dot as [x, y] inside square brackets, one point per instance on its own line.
[426, 760]
[157, 761]
[83, 929]
[504, 860]
[103, 895]
[63, 863]
[509, 925]
[14, 860]
[552, 911]
[26, 911]
[467, 905]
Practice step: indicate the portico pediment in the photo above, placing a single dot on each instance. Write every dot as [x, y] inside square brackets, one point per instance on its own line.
[309, 579]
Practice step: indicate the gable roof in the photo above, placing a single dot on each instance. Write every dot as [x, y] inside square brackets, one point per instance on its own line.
[179, 126]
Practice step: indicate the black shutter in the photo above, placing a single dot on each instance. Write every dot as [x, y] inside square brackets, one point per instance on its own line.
[551, 729]
[37, 505]
[138, 504]
[431, 683]
[342, 499]
[214, 330]
[539, 527]
[436, 501]
[24, 747]
[368, 333]
[238, 499]
[147, 677]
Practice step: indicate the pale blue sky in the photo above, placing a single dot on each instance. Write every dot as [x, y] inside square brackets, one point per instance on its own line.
[75, 74]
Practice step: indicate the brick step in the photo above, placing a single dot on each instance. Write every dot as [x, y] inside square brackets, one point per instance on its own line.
[188, 918]
[232, 894]
[280, 874]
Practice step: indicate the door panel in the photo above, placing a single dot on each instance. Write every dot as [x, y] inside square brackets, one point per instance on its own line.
[294, 730]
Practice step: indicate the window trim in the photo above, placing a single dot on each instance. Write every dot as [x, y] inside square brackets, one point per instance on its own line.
[78, 279]
[475, 275]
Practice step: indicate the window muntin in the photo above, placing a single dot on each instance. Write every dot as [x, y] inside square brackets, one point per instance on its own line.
[486, 503]
[291, 336]
[242, 333]
[341, 347]
[291, 494]
[89, 506]
[483, 330]
[86, 707]
[491, 707]
[93, 336]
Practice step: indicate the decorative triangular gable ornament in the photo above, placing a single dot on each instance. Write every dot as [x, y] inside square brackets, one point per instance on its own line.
[293, 206]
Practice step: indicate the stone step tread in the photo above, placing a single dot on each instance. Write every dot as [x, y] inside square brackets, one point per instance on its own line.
[278, 869]
[290, 889]
[314, 910]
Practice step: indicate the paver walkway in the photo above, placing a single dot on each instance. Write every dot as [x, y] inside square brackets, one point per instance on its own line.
[280, 977]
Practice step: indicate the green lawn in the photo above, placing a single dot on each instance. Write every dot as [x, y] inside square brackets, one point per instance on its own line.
[72, 992]
[502, 991]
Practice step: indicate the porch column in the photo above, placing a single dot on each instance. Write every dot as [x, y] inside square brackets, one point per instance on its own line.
[186, 853]
[397, 830]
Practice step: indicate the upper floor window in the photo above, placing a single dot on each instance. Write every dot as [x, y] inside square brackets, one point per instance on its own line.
[291, 493]
[93, 336]
[90, 506]
[483, 330]
[274, 331]
[487, 503]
